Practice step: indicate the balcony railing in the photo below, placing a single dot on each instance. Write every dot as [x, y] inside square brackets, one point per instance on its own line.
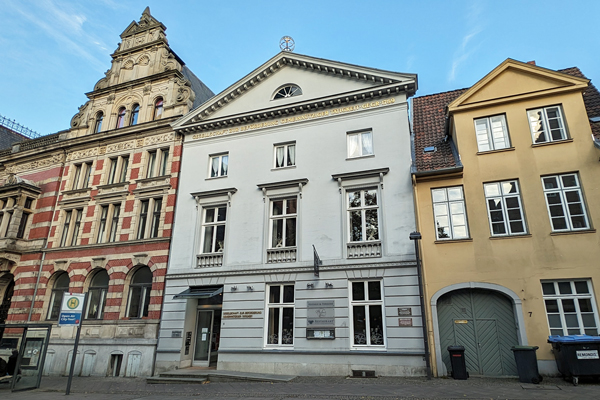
[368, 249]
[281, 255]
[210, 260]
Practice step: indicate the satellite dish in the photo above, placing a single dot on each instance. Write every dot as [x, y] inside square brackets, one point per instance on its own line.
[286, 43]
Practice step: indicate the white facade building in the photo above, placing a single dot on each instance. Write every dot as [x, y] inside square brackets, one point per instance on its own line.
[301, 152]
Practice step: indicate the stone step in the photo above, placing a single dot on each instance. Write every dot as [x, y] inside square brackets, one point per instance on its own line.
[160, 379]
[224, 376]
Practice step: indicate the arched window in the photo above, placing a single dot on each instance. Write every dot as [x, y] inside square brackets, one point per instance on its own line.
[61, 285]
[139, 293]
[135, 110]
[287, 91]
[99, 119]
[97, 295]
[158, 108]
[121, 118]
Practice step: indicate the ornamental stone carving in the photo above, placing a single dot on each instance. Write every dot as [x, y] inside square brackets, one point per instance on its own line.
[167, 137]
[117, 147]
[75, 155]
[55, 159]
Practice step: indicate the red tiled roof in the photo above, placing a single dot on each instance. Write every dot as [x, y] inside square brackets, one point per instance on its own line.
[429, 122]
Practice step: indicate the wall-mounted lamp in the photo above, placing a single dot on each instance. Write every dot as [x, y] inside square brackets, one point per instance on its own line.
[328, 284]
[249, 288]
[310, 285]
[233, 288]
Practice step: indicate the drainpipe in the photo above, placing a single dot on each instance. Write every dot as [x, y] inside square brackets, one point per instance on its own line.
[416, 236]
[39, 274]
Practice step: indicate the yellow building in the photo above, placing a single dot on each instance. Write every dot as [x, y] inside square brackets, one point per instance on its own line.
[506, 178]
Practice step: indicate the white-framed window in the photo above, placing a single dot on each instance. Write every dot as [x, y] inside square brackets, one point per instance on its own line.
[81, 175]
[157, 163]
[280, 314]
[450, 213]
[284, 214]
[363, 215]
[570, 307]
[284, 155]
[97, 295]
[505, 209]
[71, 227]
[60, 286]
[109, 223]
[149, 218]
[117, 171]
[359, 144]
[564, 199]
[547, 124]
[140, 288]
[366, 303]
[213, 229]
[219, 165]
[492, 133]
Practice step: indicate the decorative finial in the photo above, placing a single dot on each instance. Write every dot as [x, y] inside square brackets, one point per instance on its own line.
[286, 43]
[146, 11]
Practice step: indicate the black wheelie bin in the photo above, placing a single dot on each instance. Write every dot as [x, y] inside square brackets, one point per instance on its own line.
[576, 356]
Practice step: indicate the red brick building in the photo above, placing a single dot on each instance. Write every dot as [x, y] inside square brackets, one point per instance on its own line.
[90, 209]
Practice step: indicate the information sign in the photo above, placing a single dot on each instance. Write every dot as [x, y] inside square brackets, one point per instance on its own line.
[71, 309]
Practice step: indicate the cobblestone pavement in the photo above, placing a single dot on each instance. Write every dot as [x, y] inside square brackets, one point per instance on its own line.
[319, 388]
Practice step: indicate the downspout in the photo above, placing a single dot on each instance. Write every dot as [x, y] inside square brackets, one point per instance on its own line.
[39, 274]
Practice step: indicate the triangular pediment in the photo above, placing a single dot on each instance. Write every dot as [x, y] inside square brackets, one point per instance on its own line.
[146, 22]
[322, 82]
[513, 80]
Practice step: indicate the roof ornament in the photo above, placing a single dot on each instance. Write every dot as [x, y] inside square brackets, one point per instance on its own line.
[286, 43]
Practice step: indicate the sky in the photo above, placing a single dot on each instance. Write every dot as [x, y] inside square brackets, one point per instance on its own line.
[52, 52]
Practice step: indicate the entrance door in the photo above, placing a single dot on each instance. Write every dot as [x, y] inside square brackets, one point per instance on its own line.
[483, 322]
[204, 330]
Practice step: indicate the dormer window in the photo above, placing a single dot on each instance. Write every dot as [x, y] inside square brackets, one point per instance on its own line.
[135, 111]
[287, 91]
[158, 108]
[121, 118]
[99, 119]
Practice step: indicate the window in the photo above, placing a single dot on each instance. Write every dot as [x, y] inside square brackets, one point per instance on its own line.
[219, 165]
[81, 175]
[97, 295]
[565, 202]
[283, 222]
[118, 169]
[71, 227]
[99, 119]
[492, 133]
[285, 155]
[280, 309]
[546, 124]
[570, 307]
[360, 144]
[157, 163]
[139, 293]
[363, 219]
[367, 313]
[505, 210]
[61, 285]
[145, 229]
[109, 223]
[158, 109]
[121, 118]
[135, 111]
[27, 210]
[287, 91]
[213, 229]
[450, 214]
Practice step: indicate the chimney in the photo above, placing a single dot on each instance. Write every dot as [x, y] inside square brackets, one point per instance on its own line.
[531, 62]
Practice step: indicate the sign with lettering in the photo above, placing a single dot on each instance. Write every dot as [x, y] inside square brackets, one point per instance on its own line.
[71, 309]
[405, 322]
[320, 313]
[240, 314]
[404, 311]
[587, 354]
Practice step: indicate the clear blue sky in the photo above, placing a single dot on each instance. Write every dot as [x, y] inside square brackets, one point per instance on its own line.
[54, 51]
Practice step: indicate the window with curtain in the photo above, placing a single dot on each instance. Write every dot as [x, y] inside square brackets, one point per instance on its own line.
[285, 155]
[360, 144]
[121, 118]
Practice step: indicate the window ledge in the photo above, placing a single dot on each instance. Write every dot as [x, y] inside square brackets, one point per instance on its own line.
[152, 179]
[495, 151]
[210, 178]
[569, 140]
[526, 235]
[114, 185]
[453, 241]
[359, 157]
[286, 167]
[75, 191]
[573, 232]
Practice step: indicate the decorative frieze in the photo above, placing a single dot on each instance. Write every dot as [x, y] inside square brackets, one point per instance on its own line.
[43, 163]
[122, 146]
[76, 155]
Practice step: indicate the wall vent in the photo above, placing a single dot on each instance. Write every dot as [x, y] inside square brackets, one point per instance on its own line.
[361, 373]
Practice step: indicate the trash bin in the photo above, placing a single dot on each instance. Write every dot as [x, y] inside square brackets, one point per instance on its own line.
[526, 361]
[458, 363]
[576, 356]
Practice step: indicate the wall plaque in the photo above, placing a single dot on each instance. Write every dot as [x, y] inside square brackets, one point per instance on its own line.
[320, 314]
[240, 314]
[405, 322]
[404, 311]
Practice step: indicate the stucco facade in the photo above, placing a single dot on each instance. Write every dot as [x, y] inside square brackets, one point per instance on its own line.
[535, 252]
[268, 168]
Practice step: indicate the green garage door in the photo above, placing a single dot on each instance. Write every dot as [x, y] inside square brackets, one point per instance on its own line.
[483, 321]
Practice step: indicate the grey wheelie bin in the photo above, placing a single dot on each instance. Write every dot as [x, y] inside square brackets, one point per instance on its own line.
[526, 361]
[576, 356]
